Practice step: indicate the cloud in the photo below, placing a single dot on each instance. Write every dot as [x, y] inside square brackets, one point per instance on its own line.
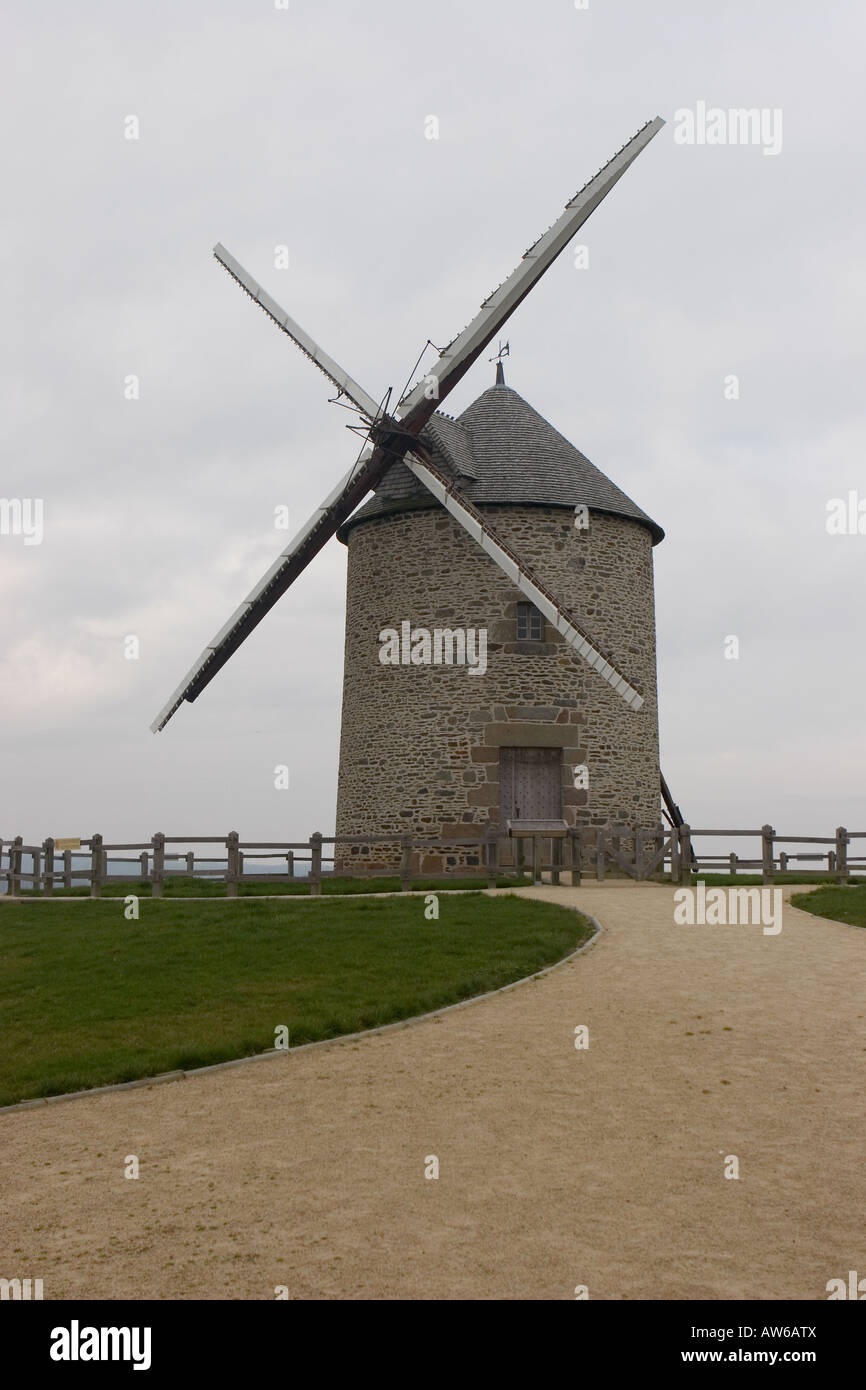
[305, 127]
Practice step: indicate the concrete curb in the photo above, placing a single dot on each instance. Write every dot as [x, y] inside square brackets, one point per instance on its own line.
[163, 1077]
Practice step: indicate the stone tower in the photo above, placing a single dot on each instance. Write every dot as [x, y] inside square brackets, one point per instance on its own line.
[443, 749]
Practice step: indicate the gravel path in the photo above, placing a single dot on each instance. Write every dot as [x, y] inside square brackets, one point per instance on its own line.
[601, 1167]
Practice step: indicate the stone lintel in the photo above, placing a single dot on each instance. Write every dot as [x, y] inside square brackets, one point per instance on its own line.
[528, 735]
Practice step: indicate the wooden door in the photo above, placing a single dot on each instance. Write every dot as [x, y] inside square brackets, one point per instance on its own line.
[530, 784]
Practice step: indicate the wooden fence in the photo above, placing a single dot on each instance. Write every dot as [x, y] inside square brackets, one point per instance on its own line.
[636, 851]
[153, 861]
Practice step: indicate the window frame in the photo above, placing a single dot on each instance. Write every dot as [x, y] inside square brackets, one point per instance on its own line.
[529, 617]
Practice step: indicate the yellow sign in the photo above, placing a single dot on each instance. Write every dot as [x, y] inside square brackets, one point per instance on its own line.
[67, 844]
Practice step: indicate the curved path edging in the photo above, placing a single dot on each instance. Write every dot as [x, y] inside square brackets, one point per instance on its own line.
[162, 1078]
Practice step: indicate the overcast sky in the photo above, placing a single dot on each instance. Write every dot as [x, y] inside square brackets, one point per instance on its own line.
[305, 127]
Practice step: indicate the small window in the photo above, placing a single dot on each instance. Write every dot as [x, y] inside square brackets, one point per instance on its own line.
[530, 623]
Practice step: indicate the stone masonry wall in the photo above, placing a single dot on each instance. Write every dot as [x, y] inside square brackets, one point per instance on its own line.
[420, 744]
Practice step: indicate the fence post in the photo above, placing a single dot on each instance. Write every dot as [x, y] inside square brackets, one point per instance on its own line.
[658, 846]
[316, 863]
[575, 844]
[537, 858]
[240, 863]
[97, 865]
[599, 853]
[841, 854]
[142, 859]
[733, 863]
[783, 862]
[232, 863]
[768, 869]
[158, 843]
[48, 849]
[831, 861]
[290, 863]
[556, 844]
[685, 854]
[15, 855]
[190, 862]
[37, 868]
[638, 852]
[405, 863]
[19, 861]
[491, 853]
[675, 853]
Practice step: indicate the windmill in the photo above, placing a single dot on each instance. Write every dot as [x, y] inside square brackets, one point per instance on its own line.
[401, 438]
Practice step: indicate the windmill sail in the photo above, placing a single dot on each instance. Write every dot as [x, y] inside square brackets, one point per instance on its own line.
[521, 575]
[304, 545]
[391, 439]
[333, 371]
[456, 359]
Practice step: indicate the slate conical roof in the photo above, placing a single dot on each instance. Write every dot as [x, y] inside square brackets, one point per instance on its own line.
[502, 453]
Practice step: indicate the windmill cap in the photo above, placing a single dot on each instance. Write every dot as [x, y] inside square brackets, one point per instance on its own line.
[504, 453]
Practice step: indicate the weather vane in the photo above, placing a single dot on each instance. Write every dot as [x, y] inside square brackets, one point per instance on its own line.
[503, 352]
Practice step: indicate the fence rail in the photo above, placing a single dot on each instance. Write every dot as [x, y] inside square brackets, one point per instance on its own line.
[636, 851]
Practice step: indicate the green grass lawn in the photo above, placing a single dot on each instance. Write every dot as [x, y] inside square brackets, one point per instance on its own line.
[183, 887]
[843, 904]
[754, 880]
[88, 998]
